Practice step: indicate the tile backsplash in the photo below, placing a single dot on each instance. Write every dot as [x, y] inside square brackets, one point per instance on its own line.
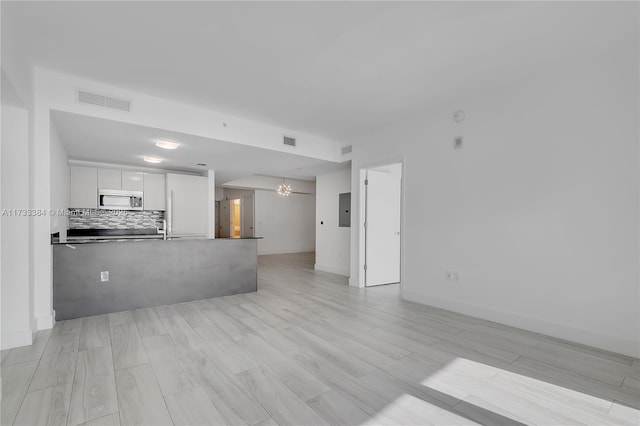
[114, 219]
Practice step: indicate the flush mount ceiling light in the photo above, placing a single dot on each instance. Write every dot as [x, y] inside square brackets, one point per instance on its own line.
[152, 160]
[283, 190]
[167, 144]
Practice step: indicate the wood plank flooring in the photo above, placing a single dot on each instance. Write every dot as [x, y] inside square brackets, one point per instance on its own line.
[306, 349]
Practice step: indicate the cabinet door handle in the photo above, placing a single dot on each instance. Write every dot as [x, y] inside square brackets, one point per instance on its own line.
[171, 212]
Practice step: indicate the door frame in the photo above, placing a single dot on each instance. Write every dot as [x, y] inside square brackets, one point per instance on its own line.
[362, 212]
[232, 216]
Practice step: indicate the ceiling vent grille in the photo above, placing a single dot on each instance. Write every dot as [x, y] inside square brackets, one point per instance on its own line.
[346, 150]
[289, 141]
[104, 101]
[90, 98]
[120, 104]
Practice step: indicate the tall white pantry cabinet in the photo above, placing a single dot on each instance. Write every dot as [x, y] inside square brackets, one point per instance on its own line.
[187, 205]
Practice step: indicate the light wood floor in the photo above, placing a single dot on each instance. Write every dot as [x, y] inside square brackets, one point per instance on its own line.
[306, 349]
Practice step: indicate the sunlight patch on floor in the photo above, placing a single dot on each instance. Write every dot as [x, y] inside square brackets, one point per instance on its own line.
[410, 410]
[520, 396]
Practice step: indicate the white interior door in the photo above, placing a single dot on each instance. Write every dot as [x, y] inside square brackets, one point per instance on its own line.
[225, 219]
[247, 217]
[382, 238]
[217, 220]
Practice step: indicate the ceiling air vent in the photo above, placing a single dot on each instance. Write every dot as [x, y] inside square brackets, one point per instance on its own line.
[346, 150]
[289, 141]
[120, 104]
[90, 98]
[104, 101]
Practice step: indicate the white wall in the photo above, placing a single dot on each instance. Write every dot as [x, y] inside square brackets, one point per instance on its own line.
[59, 184]
[219, 193]
[269, 183]
[14, 253]
[538, 212]
[287, 224]
[332, 241]
[231, 193]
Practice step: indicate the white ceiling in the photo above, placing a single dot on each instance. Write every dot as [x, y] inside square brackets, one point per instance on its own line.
[331, 68]
[106, 141]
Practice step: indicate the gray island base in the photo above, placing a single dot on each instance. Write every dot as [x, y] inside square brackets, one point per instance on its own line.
[149, 273]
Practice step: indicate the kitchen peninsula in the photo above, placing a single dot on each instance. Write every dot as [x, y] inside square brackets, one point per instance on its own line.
[139, 238]
[102, 276]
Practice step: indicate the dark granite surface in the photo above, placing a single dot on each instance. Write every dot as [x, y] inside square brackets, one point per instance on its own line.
[55, 240]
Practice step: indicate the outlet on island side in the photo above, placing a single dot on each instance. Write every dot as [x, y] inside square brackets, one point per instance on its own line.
[104, 276]
[452, 276]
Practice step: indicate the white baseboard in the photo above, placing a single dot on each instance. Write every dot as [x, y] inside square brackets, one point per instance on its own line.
[260, 253]
[332, 270]
[607, 342]
[44, 322]
[15, 339]
[354, 282]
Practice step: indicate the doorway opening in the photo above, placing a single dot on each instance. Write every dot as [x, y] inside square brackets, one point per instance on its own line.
[382, 219]
[236, 218]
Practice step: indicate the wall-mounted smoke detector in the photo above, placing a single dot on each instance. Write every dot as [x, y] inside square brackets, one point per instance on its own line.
[92, 98]
[288, 140]
[346, 149]
[459, 116]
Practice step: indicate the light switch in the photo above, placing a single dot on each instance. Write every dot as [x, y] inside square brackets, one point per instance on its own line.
[104, 276]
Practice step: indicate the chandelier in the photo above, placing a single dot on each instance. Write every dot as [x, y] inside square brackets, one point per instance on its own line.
[283, 190]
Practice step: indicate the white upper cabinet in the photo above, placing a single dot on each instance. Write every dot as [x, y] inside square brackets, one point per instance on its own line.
[154, 191]
[86, 181]
[83, 191]
[109, 179]
[132, 181]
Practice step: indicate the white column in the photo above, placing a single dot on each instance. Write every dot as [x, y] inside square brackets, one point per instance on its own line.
[14, 255]
[211, 204]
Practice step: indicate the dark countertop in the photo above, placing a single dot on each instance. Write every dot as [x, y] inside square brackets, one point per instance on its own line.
[91, 236]
[55, 241]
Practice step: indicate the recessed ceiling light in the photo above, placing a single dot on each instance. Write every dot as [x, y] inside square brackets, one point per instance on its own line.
[167, 144]
[153, 160]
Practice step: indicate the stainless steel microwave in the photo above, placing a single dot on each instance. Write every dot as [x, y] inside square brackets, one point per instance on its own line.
[113, 199]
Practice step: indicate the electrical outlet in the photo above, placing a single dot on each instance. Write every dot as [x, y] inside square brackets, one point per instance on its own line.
[458, 142]
[449, 275]
[104, 276]
[456, 276]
